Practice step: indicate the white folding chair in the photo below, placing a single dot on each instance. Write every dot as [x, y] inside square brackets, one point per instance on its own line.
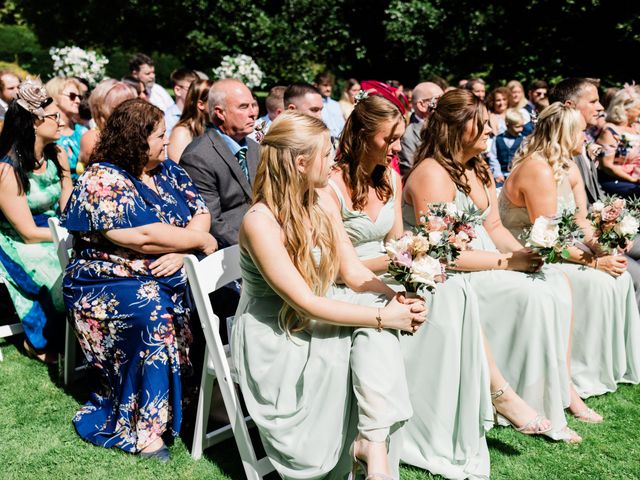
[9, 330]
[205, 277]
[63, 241]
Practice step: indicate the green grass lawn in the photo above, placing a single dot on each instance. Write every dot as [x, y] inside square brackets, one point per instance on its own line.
[37, 440]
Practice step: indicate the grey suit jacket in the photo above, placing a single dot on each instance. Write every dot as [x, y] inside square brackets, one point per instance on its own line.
[589, 173]
[221, 182]
[410, 142]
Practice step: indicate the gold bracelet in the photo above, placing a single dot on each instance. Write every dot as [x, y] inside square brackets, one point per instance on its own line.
[379, 319]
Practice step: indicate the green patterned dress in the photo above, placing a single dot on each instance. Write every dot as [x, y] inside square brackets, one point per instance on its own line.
[31, 270]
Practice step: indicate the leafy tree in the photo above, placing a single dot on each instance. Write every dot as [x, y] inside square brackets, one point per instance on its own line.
[289, 39]
[537, 38]
[403, 39]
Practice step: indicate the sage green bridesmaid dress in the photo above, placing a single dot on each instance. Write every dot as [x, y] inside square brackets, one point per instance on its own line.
[526, 319]
[445, 365]
[606, 326]
[311, 393]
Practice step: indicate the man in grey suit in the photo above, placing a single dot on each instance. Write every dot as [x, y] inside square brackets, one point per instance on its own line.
[425, 95]
[582, 94]
[222, 162]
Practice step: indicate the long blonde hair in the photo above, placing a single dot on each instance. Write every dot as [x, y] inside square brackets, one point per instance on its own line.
[523, 101]
[623, 101]
[292, 199]
[554, 139]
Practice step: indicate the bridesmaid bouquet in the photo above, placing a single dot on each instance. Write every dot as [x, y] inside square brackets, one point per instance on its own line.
[615, 222]
[449, 230]
[411, 265]
[551, 237]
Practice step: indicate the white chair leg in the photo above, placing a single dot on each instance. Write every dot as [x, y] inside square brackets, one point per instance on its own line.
[69, 354]
[204, 405]
[239, 426]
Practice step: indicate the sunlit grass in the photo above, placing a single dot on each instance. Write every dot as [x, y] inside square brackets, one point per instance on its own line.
[37, 439]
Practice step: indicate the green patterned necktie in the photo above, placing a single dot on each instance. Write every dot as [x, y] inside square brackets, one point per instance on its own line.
[241, 155]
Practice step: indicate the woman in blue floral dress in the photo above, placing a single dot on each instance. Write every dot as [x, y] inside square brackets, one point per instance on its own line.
[133, 216]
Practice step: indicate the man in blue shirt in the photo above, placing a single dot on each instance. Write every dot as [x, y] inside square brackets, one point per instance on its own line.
[331, 111]
[181, 80]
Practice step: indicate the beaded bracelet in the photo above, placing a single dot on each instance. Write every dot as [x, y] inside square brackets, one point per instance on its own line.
[379, 319]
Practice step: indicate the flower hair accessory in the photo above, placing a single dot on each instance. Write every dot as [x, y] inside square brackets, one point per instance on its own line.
[374, 87]
[361, 95]
[32, 96]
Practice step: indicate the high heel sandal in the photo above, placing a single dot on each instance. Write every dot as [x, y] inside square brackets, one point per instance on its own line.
[359, 464]
[588, 416]
[532, 427]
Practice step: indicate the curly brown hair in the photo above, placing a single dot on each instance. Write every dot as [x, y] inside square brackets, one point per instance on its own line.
[491, 98]
[441, 138]
[124, 139]
[360, 128]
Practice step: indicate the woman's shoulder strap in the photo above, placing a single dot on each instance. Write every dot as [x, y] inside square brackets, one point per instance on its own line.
[334, 186]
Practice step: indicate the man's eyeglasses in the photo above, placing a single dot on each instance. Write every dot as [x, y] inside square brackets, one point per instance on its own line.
[73, 96]
[55, 116]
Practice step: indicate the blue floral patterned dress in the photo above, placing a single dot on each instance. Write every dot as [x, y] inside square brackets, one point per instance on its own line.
[132, 325]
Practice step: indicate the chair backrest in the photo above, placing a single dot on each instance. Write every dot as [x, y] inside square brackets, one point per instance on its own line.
[207, 276]
[63, 241]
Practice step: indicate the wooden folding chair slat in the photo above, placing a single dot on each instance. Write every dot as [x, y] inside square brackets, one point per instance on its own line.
[205, 277]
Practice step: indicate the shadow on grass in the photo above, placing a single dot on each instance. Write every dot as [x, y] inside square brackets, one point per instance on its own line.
[502, 447]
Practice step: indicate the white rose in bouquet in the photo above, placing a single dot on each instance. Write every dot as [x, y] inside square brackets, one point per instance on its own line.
[452, 209]
[627, 227]
[544, 233]
[435, 238]
[426, 270]
[597, 206]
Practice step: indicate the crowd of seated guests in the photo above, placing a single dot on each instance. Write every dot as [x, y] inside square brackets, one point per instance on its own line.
[146, 180]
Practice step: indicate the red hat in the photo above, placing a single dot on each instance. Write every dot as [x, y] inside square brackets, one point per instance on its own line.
[374, 87]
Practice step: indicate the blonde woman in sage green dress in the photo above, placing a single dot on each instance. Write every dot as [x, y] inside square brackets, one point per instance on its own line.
[447, 371]
[34, 183]
[606, 341]
[525, 313]
[323, 379]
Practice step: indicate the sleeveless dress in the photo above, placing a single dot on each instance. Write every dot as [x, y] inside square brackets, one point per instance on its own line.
[445, 362]
[133, 327]
[31, 271]
[311, 393]
[606, 326]
[525, 318]
[71, 145]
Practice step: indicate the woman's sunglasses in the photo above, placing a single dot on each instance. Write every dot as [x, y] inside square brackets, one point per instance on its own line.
[55, 116]
[72, 96]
